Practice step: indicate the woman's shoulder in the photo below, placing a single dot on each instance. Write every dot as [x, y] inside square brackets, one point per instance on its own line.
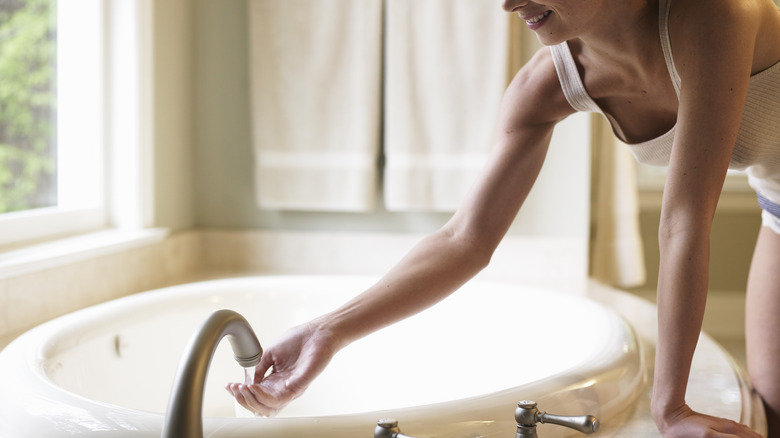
[693, 12]
[535, 93]
[722, 35]
[689, 21]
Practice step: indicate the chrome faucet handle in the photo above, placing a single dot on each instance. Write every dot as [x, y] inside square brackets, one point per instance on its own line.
[388, 428]
[527, 415]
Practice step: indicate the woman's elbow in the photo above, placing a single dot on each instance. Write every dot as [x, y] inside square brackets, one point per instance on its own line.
[475, 249]
[673, 231]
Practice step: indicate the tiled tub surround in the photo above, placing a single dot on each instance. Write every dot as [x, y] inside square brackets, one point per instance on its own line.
[30, 298]
[32, 291]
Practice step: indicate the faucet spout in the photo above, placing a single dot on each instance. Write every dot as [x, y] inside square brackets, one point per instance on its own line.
[184, 418]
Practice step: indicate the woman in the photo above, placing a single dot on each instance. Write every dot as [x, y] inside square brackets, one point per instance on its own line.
[674, 78]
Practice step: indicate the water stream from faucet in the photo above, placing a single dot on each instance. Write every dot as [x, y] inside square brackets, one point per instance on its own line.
[249, 375]
[249, 378]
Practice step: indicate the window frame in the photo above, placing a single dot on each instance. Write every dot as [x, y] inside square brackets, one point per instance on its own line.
[119, 124]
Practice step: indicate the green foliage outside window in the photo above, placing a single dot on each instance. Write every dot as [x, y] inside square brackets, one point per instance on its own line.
[27, 104]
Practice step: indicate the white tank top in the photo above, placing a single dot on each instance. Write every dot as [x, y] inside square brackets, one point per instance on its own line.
[757, 149]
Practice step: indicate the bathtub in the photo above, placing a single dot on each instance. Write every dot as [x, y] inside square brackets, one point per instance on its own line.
[456, 370]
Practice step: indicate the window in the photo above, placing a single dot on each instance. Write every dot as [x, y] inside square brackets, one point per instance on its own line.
[27, 105]
[51, 123]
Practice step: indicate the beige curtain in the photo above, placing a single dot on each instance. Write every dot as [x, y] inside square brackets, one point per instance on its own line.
[617, 256]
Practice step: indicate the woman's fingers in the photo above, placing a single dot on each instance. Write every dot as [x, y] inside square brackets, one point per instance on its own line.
[232, 388]
[731, 428]
[256, 399]
[266, 362]
[696, 424]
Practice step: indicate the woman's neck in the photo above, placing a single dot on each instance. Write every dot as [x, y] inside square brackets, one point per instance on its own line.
[627, 35]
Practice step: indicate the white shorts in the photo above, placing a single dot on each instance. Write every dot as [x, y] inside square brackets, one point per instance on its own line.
[770, 214]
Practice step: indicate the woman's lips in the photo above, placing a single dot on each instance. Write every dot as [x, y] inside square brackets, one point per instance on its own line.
[536, 21]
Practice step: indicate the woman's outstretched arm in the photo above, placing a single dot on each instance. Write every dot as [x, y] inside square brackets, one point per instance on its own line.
[440, 263]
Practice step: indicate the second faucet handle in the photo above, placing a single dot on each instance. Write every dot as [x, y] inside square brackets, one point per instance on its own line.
[527, 415]
[388, 428]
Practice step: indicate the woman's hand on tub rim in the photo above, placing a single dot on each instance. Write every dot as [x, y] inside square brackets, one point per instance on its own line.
[295, 360]
[683, 422]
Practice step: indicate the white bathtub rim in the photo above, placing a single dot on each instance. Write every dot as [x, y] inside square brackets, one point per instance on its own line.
[54, 335]
[111, 312]
[461, 413]
[412, 415]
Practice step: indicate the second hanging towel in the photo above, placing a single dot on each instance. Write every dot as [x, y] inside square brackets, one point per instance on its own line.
[446, 64]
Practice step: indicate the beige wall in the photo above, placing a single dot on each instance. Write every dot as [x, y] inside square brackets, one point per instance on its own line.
[203, 165]
[223, 157]
[173, 88]
[733, 236]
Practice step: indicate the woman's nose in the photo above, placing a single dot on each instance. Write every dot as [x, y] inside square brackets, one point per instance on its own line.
[511, 5]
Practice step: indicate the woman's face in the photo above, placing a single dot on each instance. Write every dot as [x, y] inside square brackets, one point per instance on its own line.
[555, 21]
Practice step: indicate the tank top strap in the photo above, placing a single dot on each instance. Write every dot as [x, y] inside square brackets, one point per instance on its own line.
[666, 42]
[571, 82]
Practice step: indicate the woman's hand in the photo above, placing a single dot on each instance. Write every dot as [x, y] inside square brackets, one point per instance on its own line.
[297, 358]
[685, 423]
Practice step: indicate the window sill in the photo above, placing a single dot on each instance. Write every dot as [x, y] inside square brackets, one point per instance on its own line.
[59, 252]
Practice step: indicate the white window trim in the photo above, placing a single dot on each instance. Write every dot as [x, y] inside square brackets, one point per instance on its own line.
[32, 225]
[131, 113]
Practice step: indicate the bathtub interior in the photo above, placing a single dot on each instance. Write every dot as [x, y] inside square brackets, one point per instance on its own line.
[484, 339]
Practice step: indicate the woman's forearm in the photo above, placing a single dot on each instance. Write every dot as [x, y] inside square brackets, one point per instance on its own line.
[682, 294]
[445, 260]
[432, 270]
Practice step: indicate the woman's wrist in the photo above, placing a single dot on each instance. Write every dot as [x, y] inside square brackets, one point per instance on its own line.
[328, 328]
[666, 411]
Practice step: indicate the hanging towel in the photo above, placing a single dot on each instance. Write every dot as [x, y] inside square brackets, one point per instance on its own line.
[315, 69]
[446, 68]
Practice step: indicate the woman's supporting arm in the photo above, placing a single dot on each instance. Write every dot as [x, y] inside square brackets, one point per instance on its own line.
[713, 53]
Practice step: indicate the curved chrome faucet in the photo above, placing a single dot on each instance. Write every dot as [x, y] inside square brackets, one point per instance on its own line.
[184, 418]
[527, 415]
